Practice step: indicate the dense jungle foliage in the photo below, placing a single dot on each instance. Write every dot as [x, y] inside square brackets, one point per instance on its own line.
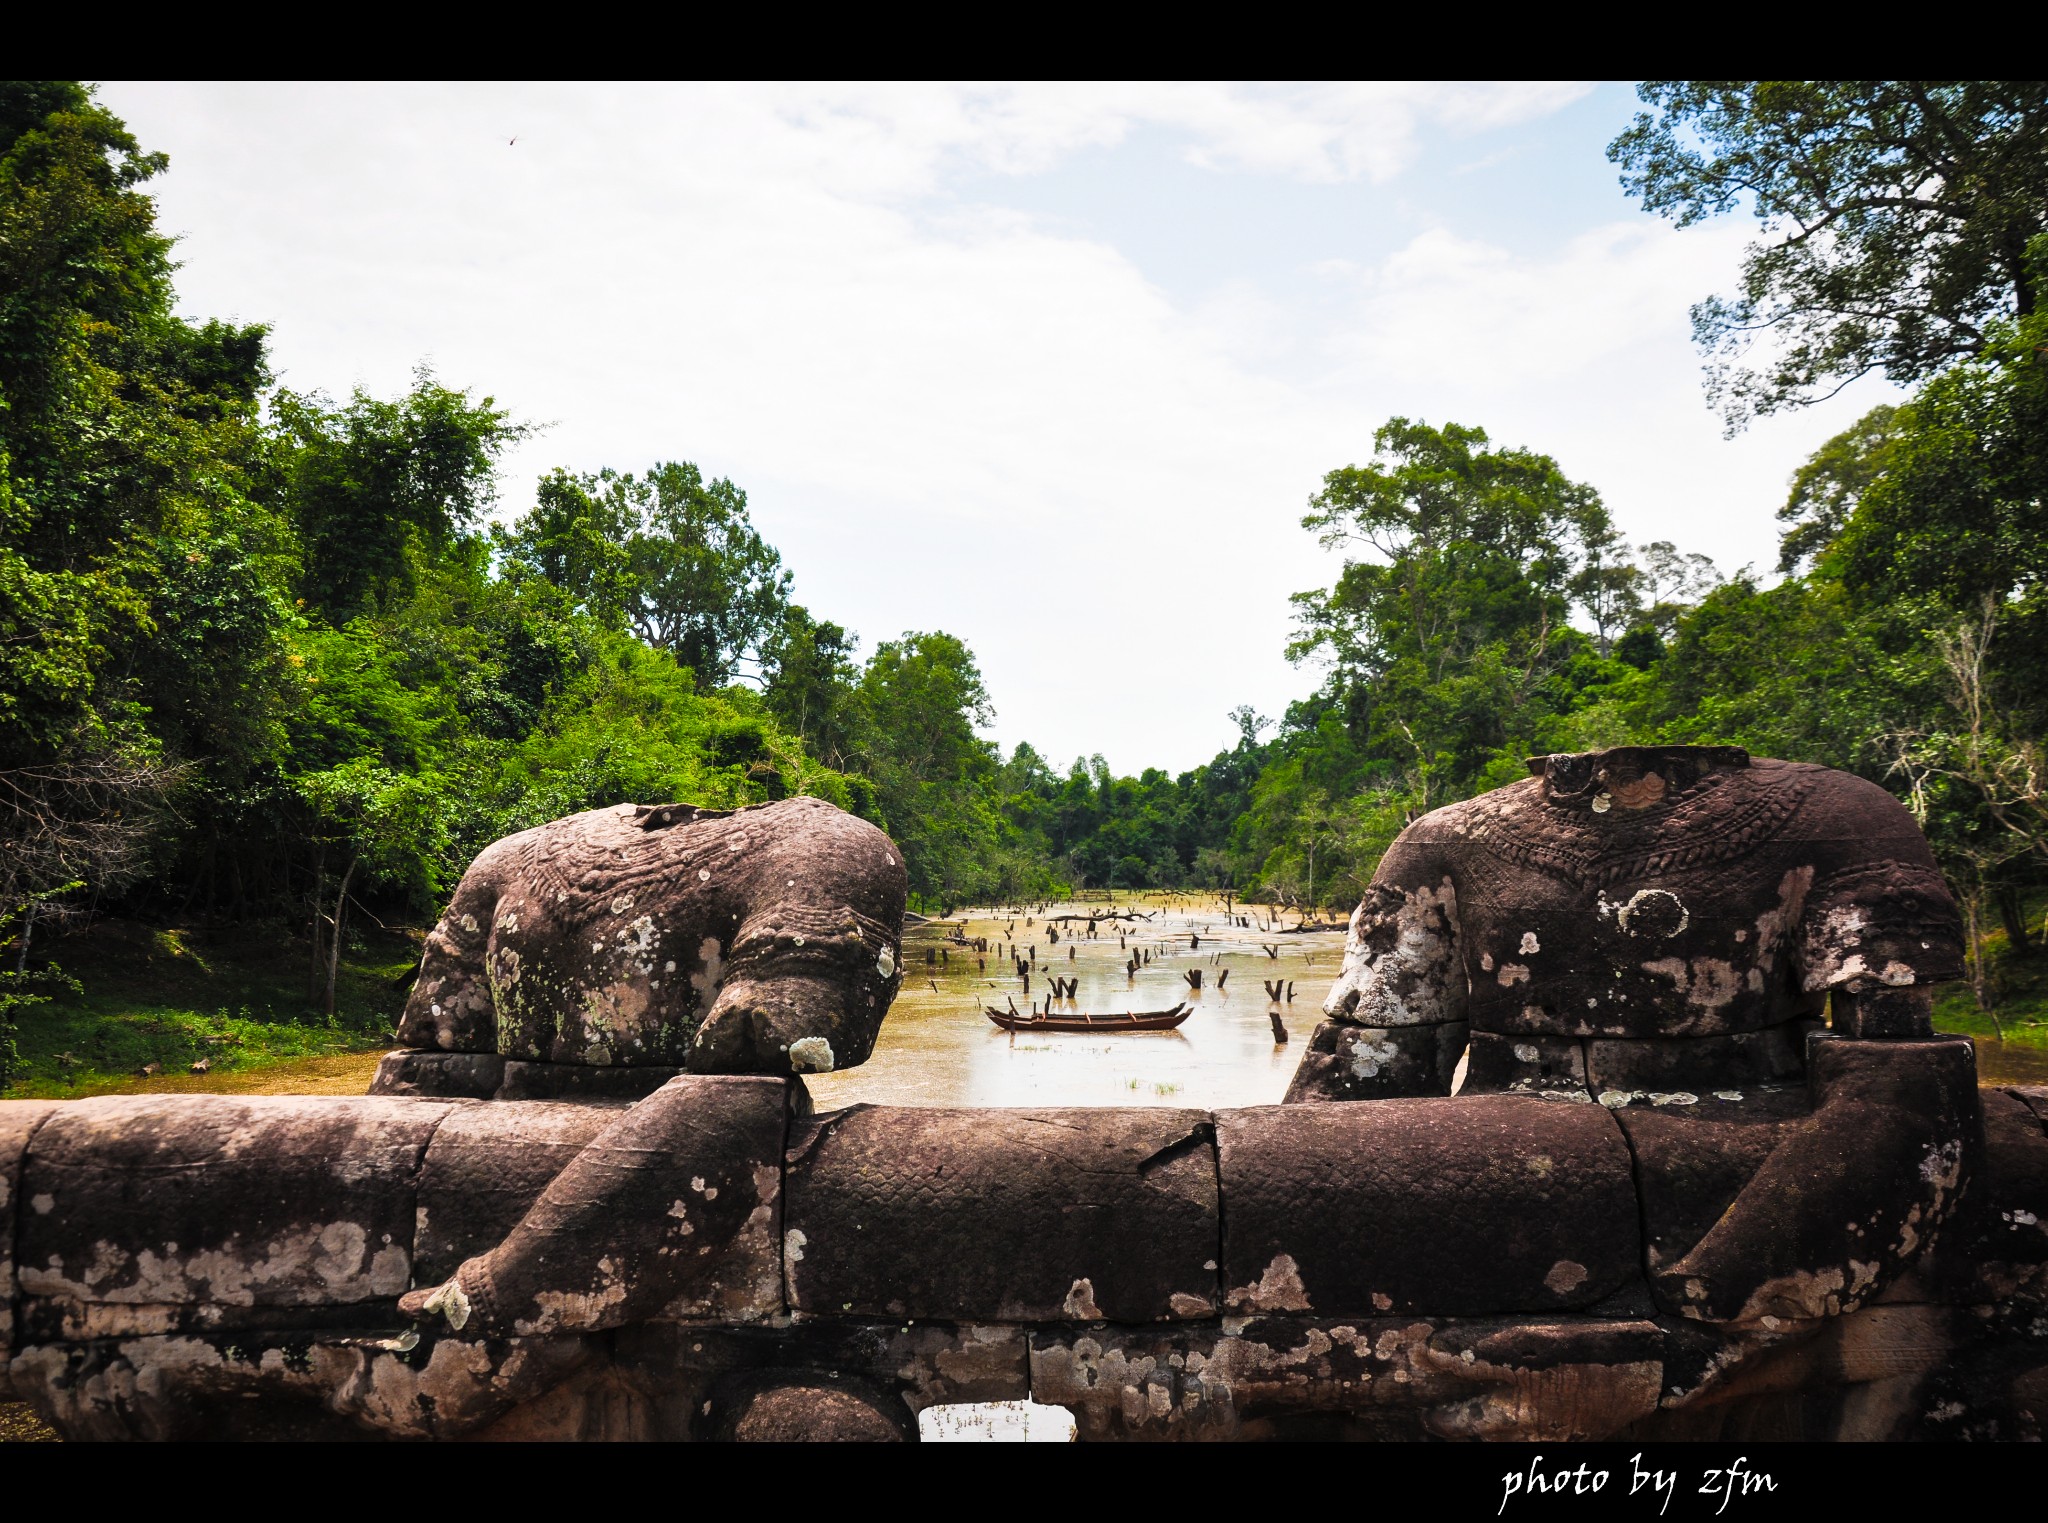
[267, 656]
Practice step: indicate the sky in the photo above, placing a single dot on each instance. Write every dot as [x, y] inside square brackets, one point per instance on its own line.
[1052, 368]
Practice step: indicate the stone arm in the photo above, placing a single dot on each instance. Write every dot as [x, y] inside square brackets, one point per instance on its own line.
[1860, 1187]
[1876, 937]
[670, 1209]
[1396, 1021]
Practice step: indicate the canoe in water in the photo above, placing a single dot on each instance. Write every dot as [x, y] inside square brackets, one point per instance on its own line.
[1143, 1020]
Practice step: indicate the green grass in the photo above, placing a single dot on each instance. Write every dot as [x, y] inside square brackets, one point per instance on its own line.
[2020, 992]
[234, 997]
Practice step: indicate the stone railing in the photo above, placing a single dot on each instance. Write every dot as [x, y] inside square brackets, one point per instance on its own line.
[1862, 1256]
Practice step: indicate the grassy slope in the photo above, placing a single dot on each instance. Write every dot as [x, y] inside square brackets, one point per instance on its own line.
[2020, 987]
[235, 997]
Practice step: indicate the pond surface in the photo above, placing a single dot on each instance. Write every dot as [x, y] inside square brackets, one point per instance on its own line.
[2004, 1063]
[937, 1048]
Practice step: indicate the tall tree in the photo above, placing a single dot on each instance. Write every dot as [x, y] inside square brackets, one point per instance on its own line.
[676, 556]
[1896, 213]
[811, 675]
[369, 481]
[1461, 612]
[921, 699]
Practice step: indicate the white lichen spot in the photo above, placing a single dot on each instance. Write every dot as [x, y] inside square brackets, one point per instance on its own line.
[886, 963]
[1565, 1276]
[1530, 943]
[707, 981]
[1727, 1094]
[1280, 1287]
[703, 875]
[1369, 1056]
[469, 923]
[43, 1205]
[793, 1245]
[1080, 1302]
[1382, 1301]
[621, 903]
[811, 1055]
[1602, 803]
[451, 1303]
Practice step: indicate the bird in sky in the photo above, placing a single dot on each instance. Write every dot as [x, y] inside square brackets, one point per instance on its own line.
[508, 145]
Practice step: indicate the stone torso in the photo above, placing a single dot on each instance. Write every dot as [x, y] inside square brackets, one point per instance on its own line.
[1730, 904]
[1687, 897]
[614, 937]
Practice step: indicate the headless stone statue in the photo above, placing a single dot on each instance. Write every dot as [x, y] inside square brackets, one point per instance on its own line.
[1668, 919]
[606, 952]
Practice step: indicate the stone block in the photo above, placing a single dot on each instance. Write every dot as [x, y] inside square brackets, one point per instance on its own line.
[168, 1200]
[2033, 1096]
[1852, 1194]
[672, 1209]
[18, 1122]
[1528, 1065]
[1693, 1161]
[1466, 1206]
[439, 1075]
[1384, 1377]
[1347, 1062]
[1004, 1215]
[574, 1081]
[1740, 1060]
[485, 1168]
[1996, 1250]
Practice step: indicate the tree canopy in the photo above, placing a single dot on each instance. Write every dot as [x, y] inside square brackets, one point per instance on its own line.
[1897, 217]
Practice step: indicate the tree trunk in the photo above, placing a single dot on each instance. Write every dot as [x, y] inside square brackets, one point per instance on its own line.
[1980, 978]
[28, 926]
[334, 945]
[319, 912]
[2013, 912]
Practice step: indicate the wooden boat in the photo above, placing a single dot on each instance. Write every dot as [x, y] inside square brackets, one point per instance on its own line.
[1143, 1020]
